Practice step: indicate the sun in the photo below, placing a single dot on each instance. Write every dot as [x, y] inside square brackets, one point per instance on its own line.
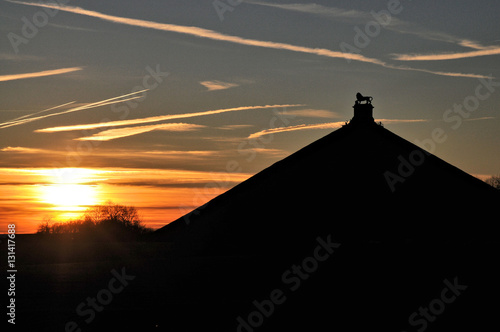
[70, 191]
[64, 196]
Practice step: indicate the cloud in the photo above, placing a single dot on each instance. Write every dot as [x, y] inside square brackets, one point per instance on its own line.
[478, 50]
[327, 125]
[441, 73]
[172, 177]
[156, 118]
[110, 134]
[399, 26]
[214, 35]
[391, 121]
[480, 119]
[30, 157]
[494, 50]
[121, 176]
[315, 9]
[27, 118]
[471, 44]
[67, 27]
[234, 127]
[273, 153]
[314, 113]
[355, 16]
[20, 149]
[203, 33]
[218, 85]
[60, 71]
[42, 111]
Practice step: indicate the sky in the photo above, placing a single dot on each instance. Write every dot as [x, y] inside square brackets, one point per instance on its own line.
[163, 105]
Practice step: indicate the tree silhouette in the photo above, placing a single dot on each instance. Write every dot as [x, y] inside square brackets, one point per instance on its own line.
[44, 227]
[494, 181]
[101, 222]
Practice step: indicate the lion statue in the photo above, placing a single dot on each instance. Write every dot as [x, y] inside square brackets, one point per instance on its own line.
[360, 98]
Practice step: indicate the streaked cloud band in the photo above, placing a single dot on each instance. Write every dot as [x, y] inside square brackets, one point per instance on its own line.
[327, 125]
[28, 118]
[60, 71]
[214, 35]
[157, 118]
[448, 56]
[110, 134]
[218, 85]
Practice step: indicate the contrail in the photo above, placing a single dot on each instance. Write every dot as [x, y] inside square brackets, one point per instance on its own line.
[45, 110]
[448, 56]
[156, 118]
[114, 100]
[214, 35]
[110, 134]
[201, 32]
[60, 71]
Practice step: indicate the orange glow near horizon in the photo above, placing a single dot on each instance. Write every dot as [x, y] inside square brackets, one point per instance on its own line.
[28, 196]
[67, 192]
[70, 200]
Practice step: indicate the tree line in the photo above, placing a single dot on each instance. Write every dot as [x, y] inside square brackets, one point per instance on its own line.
[108, 221]
[494, 181]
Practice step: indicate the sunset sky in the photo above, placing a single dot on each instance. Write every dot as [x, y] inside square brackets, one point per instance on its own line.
[165, 104]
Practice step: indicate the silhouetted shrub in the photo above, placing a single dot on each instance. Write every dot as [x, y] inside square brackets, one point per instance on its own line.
[494, 181]
[101, 222]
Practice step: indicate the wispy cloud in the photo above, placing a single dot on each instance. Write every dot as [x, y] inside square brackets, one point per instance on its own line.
[68, 27]
[157, 118]
[218, 85]
[202, 33]
[315, 9]
[39, 112]
[399, 26]
[441, 73]
[27, 118]
[60, 71]
[480, 119]
[110, 134]
[477, 49]
[234, 127]
[21, 149]
[272, 153]
[356, 16]
[494, 50]
[471, 44]
[393, 121]
[314, 113]
[327, 125]
[214, 35]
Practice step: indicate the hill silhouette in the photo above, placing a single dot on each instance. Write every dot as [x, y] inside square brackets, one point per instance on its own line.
[360, 230]
[405, 224]
[361, 182]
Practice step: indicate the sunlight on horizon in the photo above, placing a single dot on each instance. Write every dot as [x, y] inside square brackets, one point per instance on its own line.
[69, 191]
[30, 195]
[69, 200]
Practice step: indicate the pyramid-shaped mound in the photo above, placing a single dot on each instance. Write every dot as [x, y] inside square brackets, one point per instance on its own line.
[401, 227]
[360, 182]
[358, 231]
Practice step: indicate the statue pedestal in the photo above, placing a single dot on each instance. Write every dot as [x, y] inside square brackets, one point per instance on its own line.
[362, 113]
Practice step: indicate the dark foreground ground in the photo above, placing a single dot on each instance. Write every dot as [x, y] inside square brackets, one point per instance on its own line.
[142, 286]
